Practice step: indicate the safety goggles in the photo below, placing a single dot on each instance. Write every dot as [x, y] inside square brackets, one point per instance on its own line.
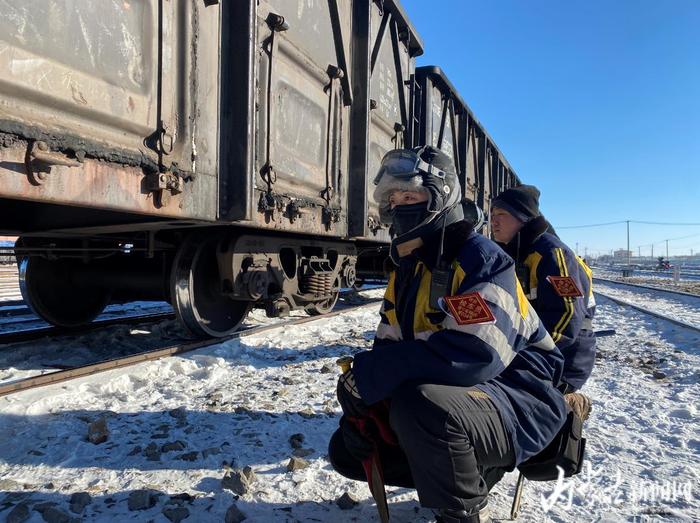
[404, 164]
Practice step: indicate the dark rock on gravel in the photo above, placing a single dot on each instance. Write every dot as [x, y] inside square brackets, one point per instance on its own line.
[172, 446]
[296, 440]
[297, 464]
[98, 432]
[188, 456]
[347, 501]
[234, 515]
[79, 501]
[176, 514]
[141, 500]
[19, 514]
[54, 515]
[152, 452]
[238, 480]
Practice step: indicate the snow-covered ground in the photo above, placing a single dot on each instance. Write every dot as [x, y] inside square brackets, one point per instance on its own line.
[9, 284]
[177, 425]
[684, 308]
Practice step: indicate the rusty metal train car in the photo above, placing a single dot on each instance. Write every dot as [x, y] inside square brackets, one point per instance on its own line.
[217, 155]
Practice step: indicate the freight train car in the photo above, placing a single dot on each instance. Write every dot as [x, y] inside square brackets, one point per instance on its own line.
[217, 155]
[447, 122]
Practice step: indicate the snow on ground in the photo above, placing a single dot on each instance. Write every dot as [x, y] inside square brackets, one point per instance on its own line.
[9, 284]
[24, 360]
[680, 307]
[176, 425]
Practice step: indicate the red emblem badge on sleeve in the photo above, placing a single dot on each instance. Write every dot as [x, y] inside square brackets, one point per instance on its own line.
[565, 286]
[469, 308]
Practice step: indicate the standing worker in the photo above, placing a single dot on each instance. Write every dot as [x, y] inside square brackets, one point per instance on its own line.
[461, 365]
[556, 281]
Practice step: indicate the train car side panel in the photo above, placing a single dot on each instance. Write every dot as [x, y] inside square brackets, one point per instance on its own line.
[109, 106]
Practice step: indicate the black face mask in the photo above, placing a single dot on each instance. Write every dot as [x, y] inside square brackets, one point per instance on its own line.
[407, 217]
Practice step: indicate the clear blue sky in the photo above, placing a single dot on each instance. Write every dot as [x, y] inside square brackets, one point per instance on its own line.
[595, 102]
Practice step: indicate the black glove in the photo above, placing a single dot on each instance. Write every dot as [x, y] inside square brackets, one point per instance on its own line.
[349, 397]
[356, 444]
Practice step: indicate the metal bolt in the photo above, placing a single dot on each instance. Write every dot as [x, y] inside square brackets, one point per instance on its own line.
[42, 146]
[41, 175]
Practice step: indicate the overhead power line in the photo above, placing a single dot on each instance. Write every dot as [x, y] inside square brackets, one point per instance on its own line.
[664, 223]
[669, 239]
[591, 225]
[625, 221]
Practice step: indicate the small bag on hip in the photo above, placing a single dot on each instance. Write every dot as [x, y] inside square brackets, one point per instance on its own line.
[566, 451]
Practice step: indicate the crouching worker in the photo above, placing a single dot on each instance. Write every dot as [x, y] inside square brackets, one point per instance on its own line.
[460, 384]
[556, 281]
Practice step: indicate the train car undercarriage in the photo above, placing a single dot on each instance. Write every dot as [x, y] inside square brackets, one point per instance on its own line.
[212, 277]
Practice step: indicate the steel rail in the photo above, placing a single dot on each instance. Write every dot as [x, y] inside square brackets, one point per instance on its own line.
[11, 303]
[152, 355]
[649, 311]
[682, 293]
[21, 336]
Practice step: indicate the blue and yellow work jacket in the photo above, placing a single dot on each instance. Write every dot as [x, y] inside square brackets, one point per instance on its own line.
[559, 286]
[484, 333]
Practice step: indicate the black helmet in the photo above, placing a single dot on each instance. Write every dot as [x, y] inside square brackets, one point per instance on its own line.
[422, 169]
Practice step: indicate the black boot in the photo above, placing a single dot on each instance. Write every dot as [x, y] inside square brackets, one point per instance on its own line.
[479, 514]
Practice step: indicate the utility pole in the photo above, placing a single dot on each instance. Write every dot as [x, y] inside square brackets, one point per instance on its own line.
[639, 252]
[628, 244]
[667, 249]
[652, 251]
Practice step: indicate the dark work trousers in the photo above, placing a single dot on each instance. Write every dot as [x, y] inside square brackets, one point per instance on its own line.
[453, 446]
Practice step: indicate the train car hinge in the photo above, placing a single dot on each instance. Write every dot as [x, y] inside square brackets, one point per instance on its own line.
[277, 24]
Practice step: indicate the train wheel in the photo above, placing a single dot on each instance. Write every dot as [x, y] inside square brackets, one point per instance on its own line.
[324, 307]
[196, 292]
[52, 289]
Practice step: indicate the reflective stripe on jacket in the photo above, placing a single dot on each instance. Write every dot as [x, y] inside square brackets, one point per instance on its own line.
[569, 320]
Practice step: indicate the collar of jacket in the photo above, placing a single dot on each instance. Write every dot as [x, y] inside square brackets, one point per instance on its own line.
[426, 251]
[521, 245]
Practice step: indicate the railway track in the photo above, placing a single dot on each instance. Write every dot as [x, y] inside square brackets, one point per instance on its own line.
[151, 355]
[27, 335]
[649, 312]
[650, 287]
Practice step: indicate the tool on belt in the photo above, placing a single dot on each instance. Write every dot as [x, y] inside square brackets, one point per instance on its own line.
[377, 417]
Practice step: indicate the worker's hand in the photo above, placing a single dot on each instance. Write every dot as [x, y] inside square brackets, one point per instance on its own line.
[357, 445]
[349, 397]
